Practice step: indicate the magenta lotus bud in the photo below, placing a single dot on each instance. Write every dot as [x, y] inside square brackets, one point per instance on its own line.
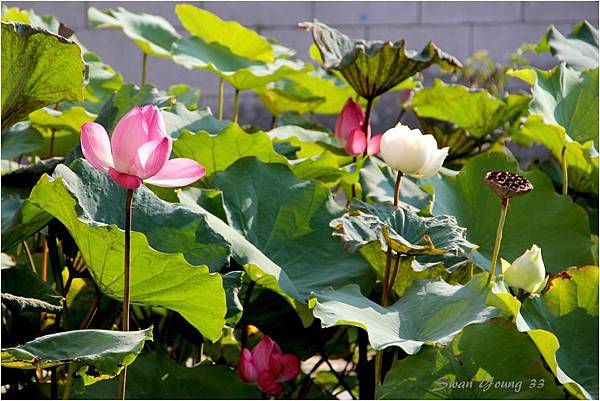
[349, 131]
[138, 151]
[266, 366]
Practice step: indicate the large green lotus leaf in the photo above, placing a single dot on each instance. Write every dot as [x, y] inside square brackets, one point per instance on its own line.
[474, 366]
[541, 217]
[179, 118]
[582, 159]
[218, 152]
[38, 69]
[71, 119]
[430, 312]
[156, 376]
[476, 111]
[568, 97]
[288, 220]
[170, 245]
[212, 29]
[563, 323]
[20, 220]
[242, 73]
[287, 95]
[374, 67]
[405, 231]
[97, 354]
[279, 231]
[20, 139]
[23, 290]
[152, 33]
[579, 49]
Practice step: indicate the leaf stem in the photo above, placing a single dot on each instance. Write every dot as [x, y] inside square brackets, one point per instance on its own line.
[29, 256]
[565, 171]
[220, 105]
[236, 97]
[503, 211]
[366, 128]
[69, 384]
[126, 284]
[388, 282]
[144, 62]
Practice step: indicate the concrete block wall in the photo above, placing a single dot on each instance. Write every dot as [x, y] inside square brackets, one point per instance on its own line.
[460, 28]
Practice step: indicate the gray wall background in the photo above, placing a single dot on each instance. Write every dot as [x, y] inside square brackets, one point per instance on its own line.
[460, 28]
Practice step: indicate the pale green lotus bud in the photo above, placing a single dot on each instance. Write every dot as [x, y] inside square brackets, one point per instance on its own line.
[527, 272]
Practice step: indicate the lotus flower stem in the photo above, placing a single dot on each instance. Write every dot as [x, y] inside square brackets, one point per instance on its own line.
[126, 283]
[220, 107]
[53, 134]
[236, 99]
[144, 62]
[503, 211]
[388, 278]
[366, 128]
[565, 172]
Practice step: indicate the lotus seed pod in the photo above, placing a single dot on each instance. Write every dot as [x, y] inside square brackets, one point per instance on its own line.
[508, 185]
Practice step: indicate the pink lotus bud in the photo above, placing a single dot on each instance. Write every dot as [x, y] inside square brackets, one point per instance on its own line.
[349, 131]
[138, 151]
[266, 366]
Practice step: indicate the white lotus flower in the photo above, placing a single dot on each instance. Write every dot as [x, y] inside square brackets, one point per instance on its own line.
[527, 272]
[411, 152]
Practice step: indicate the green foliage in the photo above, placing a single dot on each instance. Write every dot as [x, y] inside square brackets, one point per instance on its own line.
[240, 72]
[430, 312]
[153, 34]
[475, 111]
[217, 152]
[38, 69]
[237, 38]
[373, 68]
[94, 354]
[571, 301]
[79, 199]
[205, 381]
[579, 49]
[541, 217]
[489, 360]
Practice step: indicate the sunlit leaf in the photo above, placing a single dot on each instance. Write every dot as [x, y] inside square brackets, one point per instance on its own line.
[170, 245]
[97, 354]
[563, 323]
[212, 29]
[491, 360]
[38, 69]
[242, 73]
[430, 312]
[579, 49]
[152, 33]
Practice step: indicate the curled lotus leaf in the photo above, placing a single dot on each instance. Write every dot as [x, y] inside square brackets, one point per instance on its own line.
[579, 49]
[405, 231]
[374, 67]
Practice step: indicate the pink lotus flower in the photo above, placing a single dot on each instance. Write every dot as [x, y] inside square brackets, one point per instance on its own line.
[266, 366]
[348, 130]
[138, 151]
